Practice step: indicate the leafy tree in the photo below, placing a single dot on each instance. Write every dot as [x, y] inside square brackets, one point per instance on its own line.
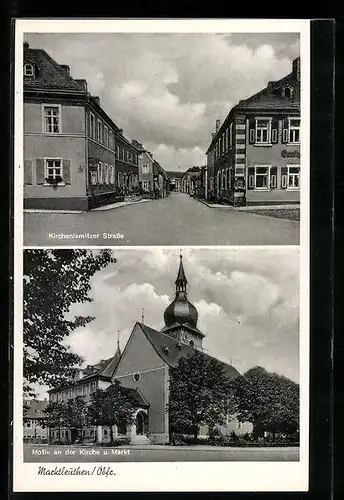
[56, 413]
[112, 406]
[199, 394]
[54, 280]
[268, 400]
[76, 414]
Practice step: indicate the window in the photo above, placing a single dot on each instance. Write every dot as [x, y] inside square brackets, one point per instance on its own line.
[145, 185]
[263, 130]
[106, 174]
[239, 425]
[28, 70]
[100, 131]
[105, 432]
[145, 169]
[106, 136]
[287, 92]
[118, 152]
[52, 119]
[100, 173]
[261, 180]
[111, 142]
[223, 143]
[53, 171]
[136, 377]
[112, 174]
[293, 177]
[231, 135]
[92, 126]
[192, 343]
[294, 130]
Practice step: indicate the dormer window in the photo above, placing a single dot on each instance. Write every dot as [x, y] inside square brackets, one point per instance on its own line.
[29, 69]
[287, 92]
[192, 343]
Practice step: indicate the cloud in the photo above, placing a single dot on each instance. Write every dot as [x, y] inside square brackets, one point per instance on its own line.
[167, 90]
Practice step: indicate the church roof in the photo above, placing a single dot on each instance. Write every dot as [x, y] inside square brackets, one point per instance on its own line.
[171, 350]
[185, 325]
[181, 273]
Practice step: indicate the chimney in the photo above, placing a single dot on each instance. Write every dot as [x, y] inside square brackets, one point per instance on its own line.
[83, 84]
[218, 124]
[66, 69]
[296, 68]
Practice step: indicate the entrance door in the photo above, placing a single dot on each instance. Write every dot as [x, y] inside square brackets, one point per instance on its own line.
[141, 423]
[73, 435]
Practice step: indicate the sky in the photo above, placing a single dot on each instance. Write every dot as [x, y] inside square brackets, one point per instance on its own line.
[247, 300]
[167, 90]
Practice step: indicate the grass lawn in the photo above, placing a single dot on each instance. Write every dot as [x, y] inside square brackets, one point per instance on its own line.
[279, 213]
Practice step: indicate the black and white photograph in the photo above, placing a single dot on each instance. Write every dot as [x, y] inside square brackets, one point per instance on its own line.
[160, 356]
[161, 270]
[196, 135]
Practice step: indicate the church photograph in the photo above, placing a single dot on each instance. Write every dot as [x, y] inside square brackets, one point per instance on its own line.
[163, 349]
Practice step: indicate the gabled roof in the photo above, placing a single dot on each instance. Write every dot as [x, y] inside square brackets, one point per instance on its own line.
[36, 407]
[267, 99]
[49, 74]
[171, 350]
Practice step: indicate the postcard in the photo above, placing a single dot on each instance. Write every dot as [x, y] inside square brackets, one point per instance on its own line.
[161, 327]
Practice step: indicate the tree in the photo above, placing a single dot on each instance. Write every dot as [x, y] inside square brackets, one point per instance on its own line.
[112, 406]
[56, 412]
[54, 280]
[199, 394]
[268, 400]
[76, 414]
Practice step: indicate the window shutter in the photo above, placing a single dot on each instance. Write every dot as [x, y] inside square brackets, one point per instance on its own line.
[285, 131]
[284, 177]
[252, 131]
[273, 178]
[66, 171]
[274, 131]
[40, 174]
[27, 172]
[250, 178]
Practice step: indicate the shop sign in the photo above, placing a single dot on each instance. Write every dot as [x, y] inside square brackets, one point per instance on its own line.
[290, 154]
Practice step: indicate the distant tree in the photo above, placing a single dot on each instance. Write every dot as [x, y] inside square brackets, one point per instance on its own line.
[268, 400]
[54, 280]
[199, 394]
[76, 414]
[55, 413]
[112, 406]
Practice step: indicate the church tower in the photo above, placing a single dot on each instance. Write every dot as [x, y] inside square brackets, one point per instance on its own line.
[181, 316]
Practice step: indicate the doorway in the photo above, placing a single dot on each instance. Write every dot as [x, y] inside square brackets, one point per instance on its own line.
[141, 423]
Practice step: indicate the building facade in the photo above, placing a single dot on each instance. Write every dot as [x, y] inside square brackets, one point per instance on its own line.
[254, 156]
[144, 368]
[175, 180]
[152, 177]
[35, 429]
[75, 156]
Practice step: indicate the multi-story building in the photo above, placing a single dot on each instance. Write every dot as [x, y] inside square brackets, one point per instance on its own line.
[75, 156]
[34, 421]
[175, 180]
[152, 177]
[143, 368]
[254, 156]
[191, 180]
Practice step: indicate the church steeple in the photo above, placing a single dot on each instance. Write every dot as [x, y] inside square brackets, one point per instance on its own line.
[181, 280]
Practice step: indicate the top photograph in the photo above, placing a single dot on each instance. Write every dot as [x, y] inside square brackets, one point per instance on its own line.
[161, 139]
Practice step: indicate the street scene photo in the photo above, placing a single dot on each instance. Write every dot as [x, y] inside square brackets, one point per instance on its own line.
[161, 139]
[157, 355]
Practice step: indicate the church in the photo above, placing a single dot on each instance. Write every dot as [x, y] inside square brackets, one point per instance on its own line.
[143, 368]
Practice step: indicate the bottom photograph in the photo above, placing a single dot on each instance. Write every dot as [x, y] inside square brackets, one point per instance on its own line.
[161, 355]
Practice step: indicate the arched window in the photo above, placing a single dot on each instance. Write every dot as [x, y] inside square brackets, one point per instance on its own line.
[29, 69]
[192, 343]
[287, 92]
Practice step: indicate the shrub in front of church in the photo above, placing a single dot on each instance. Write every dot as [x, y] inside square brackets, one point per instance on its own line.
[200, 394]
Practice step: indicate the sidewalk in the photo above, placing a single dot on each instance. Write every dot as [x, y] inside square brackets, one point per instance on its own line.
[250, 207]
[98, 209]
